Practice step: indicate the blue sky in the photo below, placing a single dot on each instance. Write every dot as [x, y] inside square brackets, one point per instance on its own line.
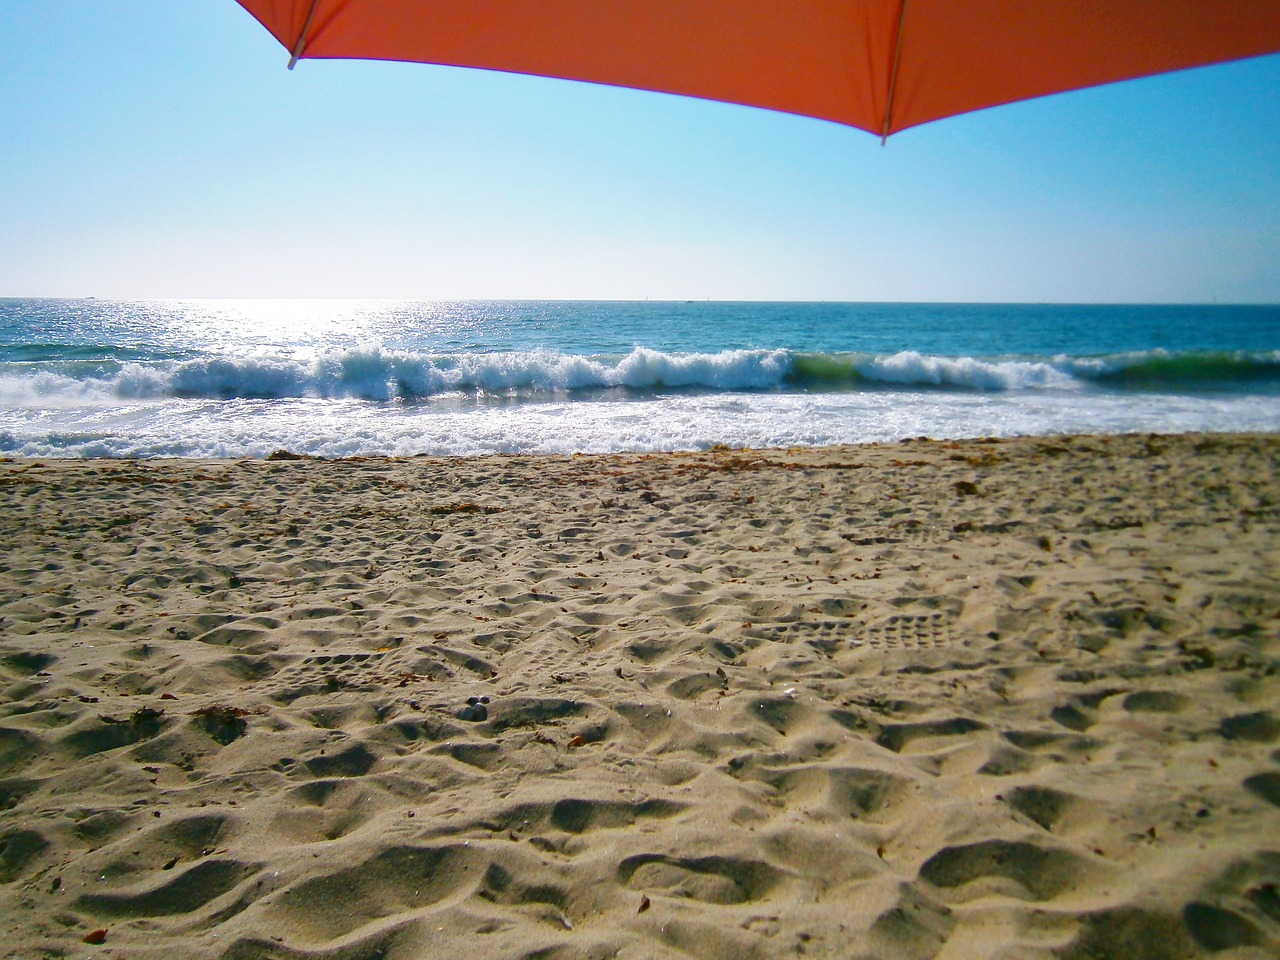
[152, 148]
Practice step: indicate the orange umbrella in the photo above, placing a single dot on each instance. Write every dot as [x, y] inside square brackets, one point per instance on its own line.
[879, 65]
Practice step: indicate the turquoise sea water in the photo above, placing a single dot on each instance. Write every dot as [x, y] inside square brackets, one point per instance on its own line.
[244, 378]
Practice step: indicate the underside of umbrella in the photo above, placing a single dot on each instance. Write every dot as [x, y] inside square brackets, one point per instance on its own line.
[879, 65]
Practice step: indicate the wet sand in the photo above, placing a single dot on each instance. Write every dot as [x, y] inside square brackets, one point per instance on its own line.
[982, 699]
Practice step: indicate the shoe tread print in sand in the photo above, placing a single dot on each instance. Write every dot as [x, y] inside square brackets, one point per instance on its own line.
[978, 699]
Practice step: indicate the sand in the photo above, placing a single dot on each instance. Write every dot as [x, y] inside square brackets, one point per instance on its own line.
[982, 699]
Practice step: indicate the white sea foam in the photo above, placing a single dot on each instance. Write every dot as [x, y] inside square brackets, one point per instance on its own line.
[461, 425]
[372, 373]
[375, 374]
[916, 369]
[369, 399]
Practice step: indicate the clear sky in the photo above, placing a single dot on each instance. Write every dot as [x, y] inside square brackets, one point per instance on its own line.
[159, 148]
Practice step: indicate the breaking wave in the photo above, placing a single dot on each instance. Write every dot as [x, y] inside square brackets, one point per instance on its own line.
[376, 374]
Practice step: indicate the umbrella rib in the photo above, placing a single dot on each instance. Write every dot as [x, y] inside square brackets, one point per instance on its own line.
[893, 73]
[302, 37]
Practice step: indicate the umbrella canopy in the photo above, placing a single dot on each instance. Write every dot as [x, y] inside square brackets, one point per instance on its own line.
[879, 65]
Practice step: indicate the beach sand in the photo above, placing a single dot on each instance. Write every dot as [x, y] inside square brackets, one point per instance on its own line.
[1009, 699]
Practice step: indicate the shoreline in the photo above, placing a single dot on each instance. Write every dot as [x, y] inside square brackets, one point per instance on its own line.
[285, 453]
[938, 698]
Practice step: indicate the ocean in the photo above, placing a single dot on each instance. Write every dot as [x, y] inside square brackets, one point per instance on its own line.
[223, 378]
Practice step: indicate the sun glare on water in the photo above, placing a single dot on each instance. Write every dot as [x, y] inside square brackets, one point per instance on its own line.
[303, 328]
